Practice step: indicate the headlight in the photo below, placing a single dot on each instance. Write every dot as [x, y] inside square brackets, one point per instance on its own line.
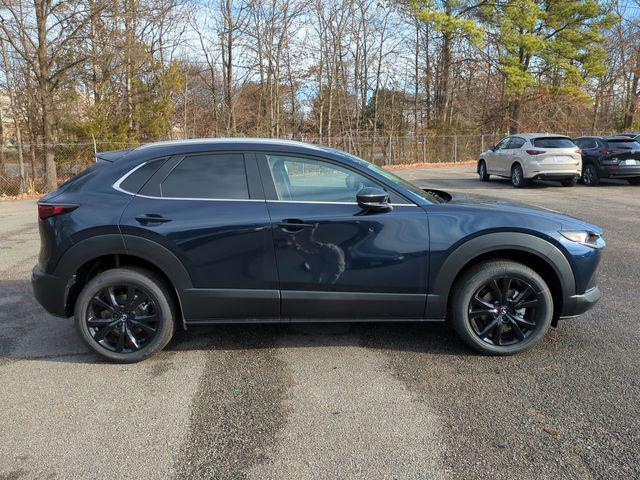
[590, 239]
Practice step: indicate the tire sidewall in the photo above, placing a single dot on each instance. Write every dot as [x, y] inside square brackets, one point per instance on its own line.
[478, 276]
[142, 280]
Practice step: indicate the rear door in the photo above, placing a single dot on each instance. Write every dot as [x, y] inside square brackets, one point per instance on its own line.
[208, 209]
[336, 261]
[512, 153]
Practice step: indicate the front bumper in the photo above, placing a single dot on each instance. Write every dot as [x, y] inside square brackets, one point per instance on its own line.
[50, 292]
[578, 304]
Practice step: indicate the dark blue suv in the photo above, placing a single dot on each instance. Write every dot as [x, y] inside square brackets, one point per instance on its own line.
[245, 230]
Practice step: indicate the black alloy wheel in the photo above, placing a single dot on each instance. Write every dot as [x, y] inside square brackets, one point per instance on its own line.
[590, 175]
[126, 314]
[122, 318]
[502, 311]
[501, 307]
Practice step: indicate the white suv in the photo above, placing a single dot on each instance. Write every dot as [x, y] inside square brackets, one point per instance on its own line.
[532, 156]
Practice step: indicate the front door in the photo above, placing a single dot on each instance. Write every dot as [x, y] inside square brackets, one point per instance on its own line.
[334, 260]
[209, 211]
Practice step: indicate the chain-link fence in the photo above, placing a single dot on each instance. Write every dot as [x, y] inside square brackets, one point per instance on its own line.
[71, 158]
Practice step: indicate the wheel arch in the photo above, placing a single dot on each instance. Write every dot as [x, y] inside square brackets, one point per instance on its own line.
[545, 258]
[87, 258]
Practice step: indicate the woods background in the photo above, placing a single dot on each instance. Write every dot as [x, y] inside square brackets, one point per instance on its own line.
[391, 81]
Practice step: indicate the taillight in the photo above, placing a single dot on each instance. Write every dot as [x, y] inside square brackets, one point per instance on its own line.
[535, 152]
[579, 151]
[46, 210]
[606, 152]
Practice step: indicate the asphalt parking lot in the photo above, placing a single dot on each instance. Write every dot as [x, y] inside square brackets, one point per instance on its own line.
[392, 401]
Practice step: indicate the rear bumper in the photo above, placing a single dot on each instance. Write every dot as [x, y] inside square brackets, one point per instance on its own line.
[621, 172]
[555, 175]
[50, 292]
[578, 304]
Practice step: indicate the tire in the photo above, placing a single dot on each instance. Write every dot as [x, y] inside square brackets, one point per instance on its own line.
[103, 310]
[482, 171]
[532, 321]
[634, 181]
[569, 182]
[590, 175]
[517, 177]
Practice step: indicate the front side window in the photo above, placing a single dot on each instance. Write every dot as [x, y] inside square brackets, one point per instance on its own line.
[502, 144]
[310, 180]
[587, 143]
[212, 176]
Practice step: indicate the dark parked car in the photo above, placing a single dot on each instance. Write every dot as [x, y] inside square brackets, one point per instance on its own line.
[609, 157]
[182, 233]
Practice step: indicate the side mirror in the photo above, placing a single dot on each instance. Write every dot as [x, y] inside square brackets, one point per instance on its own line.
[492, 148]
[374, 199]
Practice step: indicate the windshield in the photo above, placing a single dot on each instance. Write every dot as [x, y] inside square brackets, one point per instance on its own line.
[401, 182]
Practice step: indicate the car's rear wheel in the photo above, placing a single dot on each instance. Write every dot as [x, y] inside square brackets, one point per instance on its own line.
[501, 307]
[590, 175]
[569, 182]
[634, 181]
[125, 314]
[517, 177]
[482, 171]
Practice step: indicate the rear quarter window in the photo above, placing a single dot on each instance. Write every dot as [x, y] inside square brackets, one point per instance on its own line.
[136, 179]
[553, 142]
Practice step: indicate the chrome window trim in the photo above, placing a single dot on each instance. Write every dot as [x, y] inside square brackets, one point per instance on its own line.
[338, 203]
[203, 199]
[116, 185]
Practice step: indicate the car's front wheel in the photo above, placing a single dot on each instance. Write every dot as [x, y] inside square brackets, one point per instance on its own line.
[125, 314]
[501, 307]
[482, 171]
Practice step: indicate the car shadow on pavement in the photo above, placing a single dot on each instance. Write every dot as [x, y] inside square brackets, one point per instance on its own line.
[466, 184]
[27, 332]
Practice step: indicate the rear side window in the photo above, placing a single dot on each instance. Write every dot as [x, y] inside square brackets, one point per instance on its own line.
[624, 144]
[212, 176]
[553, 142]
[587, 143]
[136, 179]
[516, 142]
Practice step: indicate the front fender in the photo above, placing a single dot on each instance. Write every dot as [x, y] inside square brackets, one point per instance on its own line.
[461, 256]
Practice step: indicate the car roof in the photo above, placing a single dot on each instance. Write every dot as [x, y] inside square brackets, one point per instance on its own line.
[529, 136]
[608, 138]
[247, 142]
[198, 145]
